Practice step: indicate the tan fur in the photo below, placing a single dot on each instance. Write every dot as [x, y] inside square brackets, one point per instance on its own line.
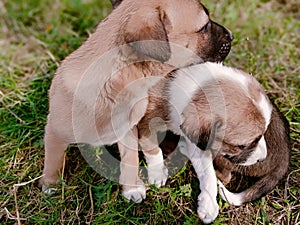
[102, 83]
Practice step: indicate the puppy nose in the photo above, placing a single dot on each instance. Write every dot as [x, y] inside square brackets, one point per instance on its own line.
[260, 160]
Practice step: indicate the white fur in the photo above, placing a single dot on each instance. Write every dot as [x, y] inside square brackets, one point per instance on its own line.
[136, 194]
[48, 190]
[266, 108]
[259, 154]
[208, 208]
[224, 72]
[232, 198]
[181, 91]
[157, 172]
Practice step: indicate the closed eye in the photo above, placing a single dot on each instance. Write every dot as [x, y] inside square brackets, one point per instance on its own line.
[253, 144]
[242, 147]
[205, 27]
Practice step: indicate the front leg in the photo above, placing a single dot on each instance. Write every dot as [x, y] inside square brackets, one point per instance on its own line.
[157, 172]
[133, 187]
[223, 168]
[202, 161]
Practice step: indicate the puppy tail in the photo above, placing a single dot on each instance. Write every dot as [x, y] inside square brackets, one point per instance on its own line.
[259, 189]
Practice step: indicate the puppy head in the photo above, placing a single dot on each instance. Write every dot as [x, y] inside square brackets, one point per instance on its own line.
[244, 141]
[161, 29]
[233, 124]
[192, 28]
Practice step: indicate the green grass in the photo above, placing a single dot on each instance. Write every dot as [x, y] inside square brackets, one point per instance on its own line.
[36, 35]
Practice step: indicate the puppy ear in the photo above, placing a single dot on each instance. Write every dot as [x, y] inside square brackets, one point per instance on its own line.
[199, 137]
[146, 34]
[200, 127]
[204, 136]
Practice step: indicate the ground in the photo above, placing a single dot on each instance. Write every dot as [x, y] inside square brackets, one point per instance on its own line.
[35, 35]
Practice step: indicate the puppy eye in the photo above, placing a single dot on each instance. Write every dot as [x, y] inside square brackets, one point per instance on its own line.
[206, 27]
[251, 145]
[242, 147]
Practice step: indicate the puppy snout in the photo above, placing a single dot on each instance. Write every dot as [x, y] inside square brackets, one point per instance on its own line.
[260, 160]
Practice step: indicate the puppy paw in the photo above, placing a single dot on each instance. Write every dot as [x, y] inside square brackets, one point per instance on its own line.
[46, 182]
[48, 190]
[235, 199]
[158, 175]
[208, 208]
[136, 194]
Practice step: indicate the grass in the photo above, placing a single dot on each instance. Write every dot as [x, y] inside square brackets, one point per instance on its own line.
[36, 35]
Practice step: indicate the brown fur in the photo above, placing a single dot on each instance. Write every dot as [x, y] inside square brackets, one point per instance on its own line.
[213, 112]
[240, 126]
[248, 116]
[272, 169]
[89, 86]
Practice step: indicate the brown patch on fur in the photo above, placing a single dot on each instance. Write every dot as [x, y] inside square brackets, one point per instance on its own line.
[147, 35]
[272, 169]
[223, 168]
[255, 91]
[248, 120]
[241, 119]
[156, 108]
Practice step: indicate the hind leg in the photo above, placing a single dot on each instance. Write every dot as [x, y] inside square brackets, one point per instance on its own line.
[54, 156]
[133, 187]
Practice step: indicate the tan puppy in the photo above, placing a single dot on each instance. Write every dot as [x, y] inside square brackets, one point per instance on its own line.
[216, 110]
[100, 91]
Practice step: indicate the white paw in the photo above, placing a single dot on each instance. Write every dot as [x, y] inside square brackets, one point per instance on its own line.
[136, 194]
[48, 190]
[208, 208]
[158, 175]
[235, 199]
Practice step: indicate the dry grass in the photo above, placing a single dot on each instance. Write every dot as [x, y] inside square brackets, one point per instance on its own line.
[36, 35]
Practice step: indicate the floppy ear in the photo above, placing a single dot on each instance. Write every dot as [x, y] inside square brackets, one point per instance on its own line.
[203, 136]
[115, 3]
[145, 32]
[199, 125]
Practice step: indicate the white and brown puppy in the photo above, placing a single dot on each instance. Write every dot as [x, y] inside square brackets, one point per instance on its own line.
[270, 171]
[99, 92]
[218, 110]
